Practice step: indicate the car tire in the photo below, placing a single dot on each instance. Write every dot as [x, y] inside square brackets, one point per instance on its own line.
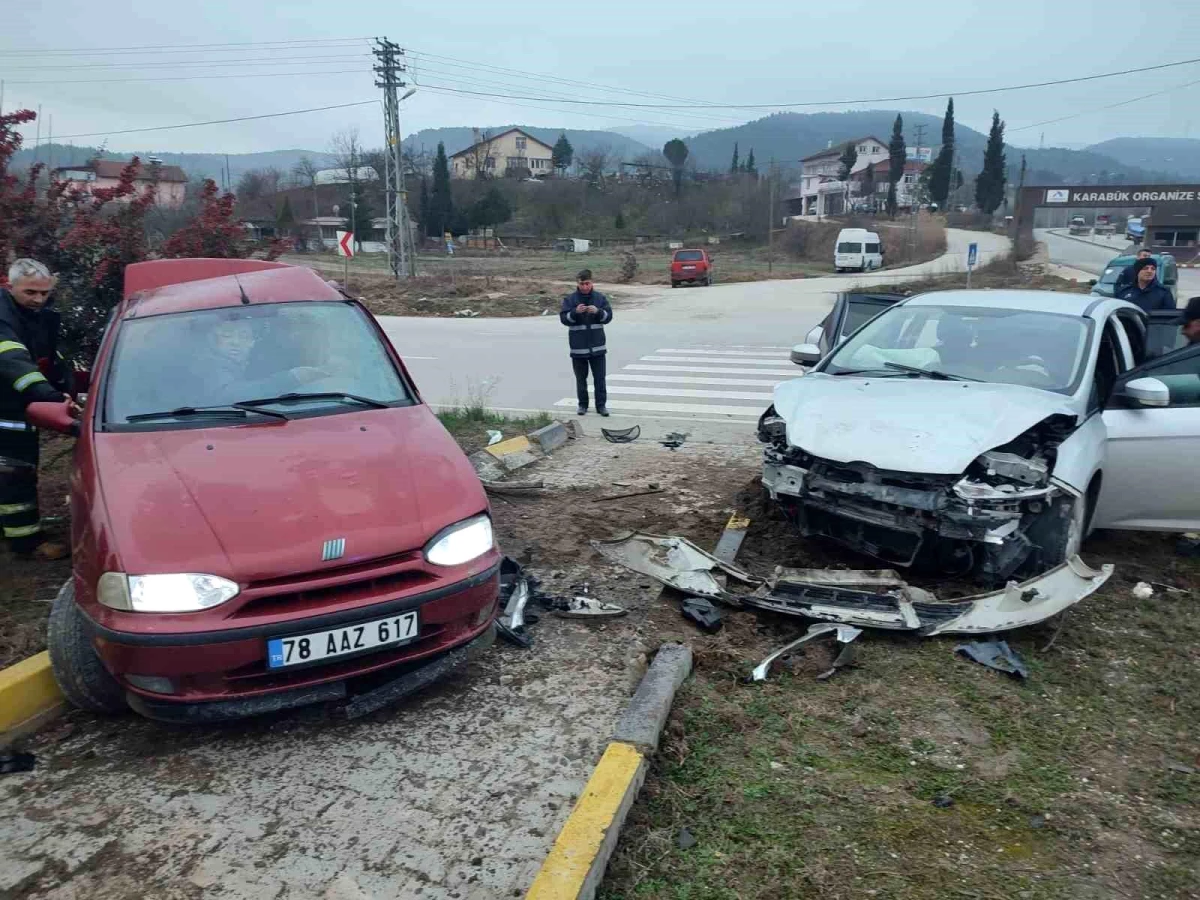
[1058, 543]
[76, 666]
[674, 284]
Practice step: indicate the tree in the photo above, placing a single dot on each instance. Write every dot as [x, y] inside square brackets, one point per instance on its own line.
[751, 168]
[676, 152]
[423, 209]
[989, 184]
[619, 221]
[868, 184]
[305, 174]
[489, 210]
[562, 155]
[897, 157]
[258, 183]
[441, 203]
[733, 166]
[285, 219]
[848, 158]
[594, 162]
[942, 171]
[478, 160]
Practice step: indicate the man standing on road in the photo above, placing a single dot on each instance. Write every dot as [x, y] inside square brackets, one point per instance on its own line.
[585, 313]
[31, 371]
[1125, 279]
[1146, 291]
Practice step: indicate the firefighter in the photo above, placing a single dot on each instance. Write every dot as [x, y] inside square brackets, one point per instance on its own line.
[31, 371]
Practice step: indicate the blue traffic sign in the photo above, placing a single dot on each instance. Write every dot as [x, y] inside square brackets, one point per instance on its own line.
[972, 255]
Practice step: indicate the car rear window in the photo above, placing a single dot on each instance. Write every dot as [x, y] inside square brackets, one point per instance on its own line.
[688, 255]
[848, 247]
[218, 357]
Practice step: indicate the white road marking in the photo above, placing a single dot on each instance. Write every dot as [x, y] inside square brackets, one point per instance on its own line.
[685, 379]
[761, 351]
[792, 373]
[683, 392]
[406, 356]
[740, 361]
[752, 412]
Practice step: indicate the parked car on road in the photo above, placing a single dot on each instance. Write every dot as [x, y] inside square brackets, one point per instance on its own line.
[857, 249]
[692, 266]
[1104, 225]
[1079, 225]
[1135, 229]
[264, 512]
[986, 433]
[1168, 273]
[850, 311]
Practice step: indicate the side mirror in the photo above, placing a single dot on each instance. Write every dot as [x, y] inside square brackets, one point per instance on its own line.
[1146, 392]
[1092, 282]
[806, 354]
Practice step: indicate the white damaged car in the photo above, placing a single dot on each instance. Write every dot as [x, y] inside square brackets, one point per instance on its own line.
[986, 432]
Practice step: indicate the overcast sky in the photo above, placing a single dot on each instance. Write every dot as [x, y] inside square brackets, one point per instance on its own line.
[769, 52]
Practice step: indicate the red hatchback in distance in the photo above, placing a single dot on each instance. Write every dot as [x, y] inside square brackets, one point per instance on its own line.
[694, 266]
[264, 512]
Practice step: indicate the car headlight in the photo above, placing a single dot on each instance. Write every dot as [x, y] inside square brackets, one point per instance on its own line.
[188, 592]
[461, 543]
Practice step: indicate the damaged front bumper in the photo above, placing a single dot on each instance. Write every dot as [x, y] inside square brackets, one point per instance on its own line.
[880, 599]
[963, 522]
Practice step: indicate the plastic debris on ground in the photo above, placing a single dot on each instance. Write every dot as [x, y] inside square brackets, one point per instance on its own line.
[583, 606]
[12, 762]
[845, 634]
[703, 613]
[494, 437]
[675, 562]
[621, 435]
[1142, 591]
[1188, 545]
[466, 314]
[995, 655]
[674, 440]
[685, 839]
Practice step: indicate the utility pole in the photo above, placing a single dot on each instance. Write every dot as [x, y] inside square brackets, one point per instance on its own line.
[391, 69]
[771, 217]
[915, 199]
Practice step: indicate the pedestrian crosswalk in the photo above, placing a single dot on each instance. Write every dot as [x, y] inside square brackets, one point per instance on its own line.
[720, 383]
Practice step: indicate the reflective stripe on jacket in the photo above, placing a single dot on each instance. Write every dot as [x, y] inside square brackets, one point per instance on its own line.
[585, 331]
[26, 337]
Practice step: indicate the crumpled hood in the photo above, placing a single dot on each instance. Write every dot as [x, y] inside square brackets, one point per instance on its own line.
[259, 501]
[908, 424]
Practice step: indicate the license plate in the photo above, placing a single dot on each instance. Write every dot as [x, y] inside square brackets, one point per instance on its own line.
[689, 267]
[319, 646]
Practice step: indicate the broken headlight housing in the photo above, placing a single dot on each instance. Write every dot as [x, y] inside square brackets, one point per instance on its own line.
[772, 427]
[1001, 477]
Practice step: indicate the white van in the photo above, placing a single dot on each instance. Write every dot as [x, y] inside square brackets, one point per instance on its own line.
[858, 249]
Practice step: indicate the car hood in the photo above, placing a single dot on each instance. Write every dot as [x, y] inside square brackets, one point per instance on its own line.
[259, 501]
[908, 424]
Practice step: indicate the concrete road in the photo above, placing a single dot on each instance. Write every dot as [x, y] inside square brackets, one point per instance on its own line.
[709, 355]
[1090, 253]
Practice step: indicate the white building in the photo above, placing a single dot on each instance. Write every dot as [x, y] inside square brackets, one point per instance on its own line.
[820, 190]
[513, 153]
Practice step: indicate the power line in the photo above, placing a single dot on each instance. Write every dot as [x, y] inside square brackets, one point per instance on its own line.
[232, 47]
[192, 63]
[292, 112]
[309, 72]
[1011, 87]
[1086, 112]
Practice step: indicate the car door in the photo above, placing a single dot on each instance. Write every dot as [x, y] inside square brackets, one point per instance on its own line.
[1151, 450]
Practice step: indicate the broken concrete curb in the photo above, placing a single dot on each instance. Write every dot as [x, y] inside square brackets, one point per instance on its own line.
[576, 863]
[496, 461]
[29, 696]
[647, 712]
[551, 437]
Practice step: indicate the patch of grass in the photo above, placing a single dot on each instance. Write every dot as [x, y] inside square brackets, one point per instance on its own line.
[1058, 787]
[469, 424]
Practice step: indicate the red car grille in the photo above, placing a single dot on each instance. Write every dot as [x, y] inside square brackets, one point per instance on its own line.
[312, 592]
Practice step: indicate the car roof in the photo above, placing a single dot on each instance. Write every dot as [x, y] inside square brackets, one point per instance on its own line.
[1128, 259]
[1083, 305]
[277, 283]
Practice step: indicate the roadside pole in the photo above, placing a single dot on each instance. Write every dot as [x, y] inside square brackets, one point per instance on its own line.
[771, 217]
[972, 258]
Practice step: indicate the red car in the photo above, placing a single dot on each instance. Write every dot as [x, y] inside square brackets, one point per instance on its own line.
[264, 512]
[694, 266]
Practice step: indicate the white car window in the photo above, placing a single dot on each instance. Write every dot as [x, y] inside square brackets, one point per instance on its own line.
[1010, 346]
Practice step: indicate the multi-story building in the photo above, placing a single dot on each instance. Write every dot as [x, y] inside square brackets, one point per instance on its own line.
[512, 153]
[821, 192]
[169, 182]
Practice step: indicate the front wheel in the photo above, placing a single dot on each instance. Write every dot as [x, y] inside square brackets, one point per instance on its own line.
[76, 666]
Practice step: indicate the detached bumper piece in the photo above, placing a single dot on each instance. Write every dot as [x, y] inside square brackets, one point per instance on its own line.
[880, 599]
[677, 563]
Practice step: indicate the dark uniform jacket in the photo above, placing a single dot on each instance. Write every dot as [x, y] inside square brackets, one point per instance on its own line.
[586, 329]
[31, 368]
[1154, 297]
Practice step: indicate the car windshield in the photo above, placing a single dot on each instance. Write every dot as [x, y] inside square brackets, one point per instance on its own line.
[1007, 346]
[848, 247]
[689, 255]
[858, 312]
[193, 366]
[1113, 271]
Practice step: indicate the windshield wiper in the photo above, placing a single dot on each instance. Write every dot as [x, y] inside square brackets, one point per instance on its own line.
[228, 411]
[931, 373]
[875, 371]
[320, 395]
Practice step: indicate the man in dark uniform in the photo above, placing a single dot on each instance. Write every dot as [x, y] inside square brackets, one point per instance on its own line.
[1189, 322]
[585, 313]
[1125, 279]
[1146, 291]
[31, 371]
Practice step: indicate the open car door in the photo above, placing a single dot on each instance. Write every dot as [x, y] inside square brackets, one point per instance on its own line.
[1153, 423]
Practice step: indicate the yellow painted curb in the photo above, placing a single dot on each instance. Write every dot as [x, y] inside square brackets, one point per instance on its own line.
[576, 863]
[512, 445]
[27, 690]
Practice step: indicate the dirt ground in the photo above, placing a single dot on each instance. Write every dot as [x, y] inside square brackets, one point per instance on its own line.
[28, 586]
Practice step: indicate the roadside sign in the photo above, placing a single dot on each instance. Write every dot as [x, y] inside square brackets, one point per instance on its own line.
[972, 255]
[345, 243]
